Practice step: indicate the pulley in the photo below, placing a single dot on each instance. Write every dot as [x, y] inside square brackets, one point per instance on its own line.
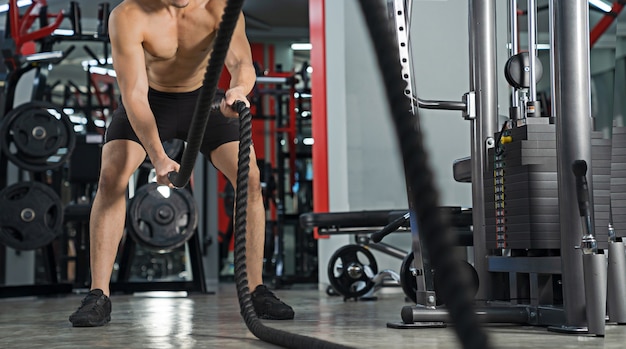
[517, 70]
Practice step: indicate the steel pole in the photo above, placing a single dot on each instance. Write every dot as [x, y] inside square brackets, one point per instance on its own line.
[573, 126]
[483, 81]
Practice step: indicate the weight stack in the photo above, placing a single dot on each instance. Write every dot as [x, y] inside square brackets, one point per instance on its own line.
[521, 189]
[618, 180]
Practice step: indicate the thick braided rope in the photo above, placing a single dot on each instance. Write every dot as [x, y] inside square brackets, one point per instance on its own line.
[424, 197]
[207, 92]
[267, 334]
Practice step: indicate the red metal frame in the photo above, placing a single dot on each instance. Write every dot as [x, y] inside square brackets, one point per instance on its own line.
[290, 129]
[259, 132]
[604, 23]
[317, 33]
[100, 83]
[21, 25]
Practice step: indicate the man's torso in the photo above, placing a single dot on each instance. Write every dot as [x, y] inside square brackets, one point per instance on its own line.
[177, 43]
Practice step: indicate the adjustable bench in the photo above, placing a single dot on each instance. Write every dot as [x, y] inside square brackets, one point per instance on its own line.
[352, 269]
[371, 221]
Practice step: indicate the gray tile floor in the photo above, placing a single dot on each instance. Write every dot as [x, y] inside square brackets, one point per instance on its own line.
[213, 321]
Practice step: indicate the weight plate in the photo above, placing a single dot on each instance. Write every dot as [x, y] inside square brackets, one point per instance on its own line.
[465, 269]
[160, 218]
[37, 136]
[408, 277]
[31, 215]
[173, 148]
[351, 270]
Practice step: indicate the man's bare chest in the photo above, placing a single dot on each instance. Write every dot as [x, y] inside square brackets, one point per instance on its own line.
[183, 39]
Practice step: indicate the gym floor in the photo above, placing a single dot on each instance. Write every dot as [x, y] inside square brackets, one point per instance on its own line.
[172, 320]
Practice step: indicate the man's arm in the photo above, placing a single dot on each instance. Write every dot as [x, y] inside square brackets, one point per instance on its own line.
[125, 30]
[239, 65]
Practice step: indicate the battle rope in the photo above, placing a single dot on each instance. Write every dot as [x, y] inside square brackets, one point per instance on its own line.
[190, 154]
[436, 233]
[207, 93]
[424, 197]
[267, 334]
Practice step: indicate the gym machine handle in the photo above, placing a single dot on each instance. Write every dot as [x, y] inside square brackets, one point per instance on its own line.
[579, 167]
[390, 228]
[594, 261]
[180, 181]
[588, 244]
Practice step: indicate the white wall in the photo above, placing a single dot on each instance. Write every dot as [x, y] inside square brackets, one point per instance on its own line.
[440, 46]
[365, 172]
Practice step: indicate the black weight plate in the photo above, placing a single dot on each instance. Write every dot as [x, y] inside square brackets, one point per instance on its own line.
[37, 136]
[351, 270]
[173, 148]
[408, 277]
[161, 218]
[466, 270]
[36, 133]
[31, 215]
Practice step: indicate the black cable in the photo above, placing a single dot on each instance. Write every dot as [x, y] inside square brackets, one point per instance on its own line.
[267, 334]
[207, 93]
[437, 235]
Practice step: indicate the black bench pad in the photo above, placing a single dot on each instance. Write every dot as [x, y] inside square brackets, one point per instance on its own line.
[376, 218]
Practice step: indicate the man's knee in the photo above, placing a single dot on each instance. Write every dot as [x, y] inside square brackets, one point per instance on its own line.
[112, 182]
[120, 159]
[254, 183]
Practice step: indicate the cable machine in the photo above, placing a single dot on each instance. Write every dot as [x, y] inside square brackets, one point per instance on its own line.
[512, 182]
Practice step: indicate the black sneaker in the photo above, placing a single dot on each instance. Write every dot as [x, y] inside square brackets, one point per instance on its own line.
[268, 306]
[94, 310]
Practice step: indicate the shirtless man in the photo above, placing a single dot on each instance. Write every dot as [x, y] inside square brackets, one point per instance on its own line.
[160, 51]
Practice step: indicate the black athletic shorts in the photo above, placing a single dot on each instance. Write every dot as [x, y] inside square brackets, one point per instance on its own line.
[173, 113]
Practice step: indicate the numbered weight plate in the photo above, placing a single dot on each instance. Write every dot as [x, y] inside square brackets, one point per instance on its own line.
[37, 136]
[351, 270]
[31, 215]
[160, 218]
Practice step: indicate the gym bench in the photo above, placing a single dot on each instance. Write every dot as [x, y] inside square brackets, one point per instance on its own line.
[352, 270]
